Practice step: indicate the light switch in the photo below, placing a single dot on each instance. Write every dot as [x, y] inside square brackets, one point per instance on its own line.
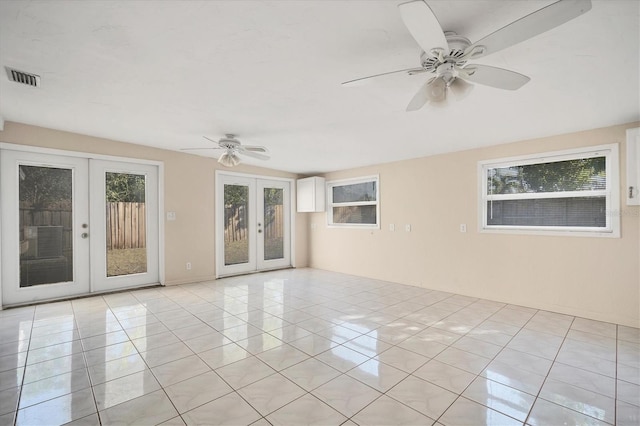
[392, 227]
[171, 215]
[407, 228]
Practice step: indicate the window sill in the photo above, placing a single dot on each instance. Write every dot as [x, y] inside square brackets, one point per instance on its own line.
[550, 232]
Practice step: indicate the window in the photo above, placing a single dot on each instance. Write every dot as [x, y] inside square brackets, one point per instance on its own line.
[570, 192]
[354, 202]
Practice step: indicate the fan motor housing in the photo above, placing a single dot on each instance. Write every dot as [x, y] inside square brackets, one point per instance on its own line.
[229, 142]
[457, 45]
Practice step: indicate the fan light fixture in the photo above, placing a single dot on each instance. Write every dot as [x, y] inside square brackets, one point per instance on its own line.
[229, 159]
[437, 90]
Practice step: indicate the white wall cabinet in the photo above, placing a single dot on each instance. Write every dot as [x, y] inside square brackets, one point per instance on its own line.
[633, 167]
[310, 195]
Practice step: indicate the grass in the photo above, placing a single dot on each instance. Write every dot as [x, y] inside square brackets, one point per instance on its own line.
[134, 261]
[126, 261]
[236, 252]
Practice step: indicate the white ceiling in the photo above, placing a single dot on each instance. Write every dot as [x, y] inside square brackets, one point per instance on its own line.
[165, 73]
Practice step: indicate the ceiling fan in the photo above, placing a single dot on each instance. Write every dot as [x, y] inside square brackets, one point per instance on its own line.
[445, 53]
[233, 149]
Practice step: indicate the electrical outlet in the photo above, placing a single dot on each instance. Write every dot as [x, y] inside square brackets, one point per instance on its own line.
[463, 227]
[188, 266]
[171, 215]
[407, 228]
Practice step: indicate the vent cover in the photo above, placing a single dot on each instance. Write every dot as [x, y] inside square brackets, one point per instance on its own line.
[23, 77]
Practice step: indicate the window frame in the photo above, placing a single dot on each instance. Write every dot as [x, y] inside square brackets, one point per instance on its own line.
[352, 181]
[611, 193]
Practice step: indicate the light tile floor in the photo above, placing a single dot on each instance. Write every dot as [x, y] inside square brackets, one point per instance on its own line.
[311, 347]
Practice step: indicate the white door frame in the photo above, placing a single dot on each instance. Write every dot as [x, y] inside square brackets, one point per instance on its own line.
[99, 280]
[261, 263]
[251, 264]
[219, 215]
[80, 282]
[88, 155]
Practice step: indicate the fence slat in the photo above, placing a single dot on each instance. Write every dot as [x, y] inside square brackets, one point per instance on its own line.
[126, 225]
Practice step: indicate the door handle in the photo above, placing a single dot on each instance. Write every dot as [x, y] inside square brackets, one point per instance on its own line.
[85, 235]
[259, 231]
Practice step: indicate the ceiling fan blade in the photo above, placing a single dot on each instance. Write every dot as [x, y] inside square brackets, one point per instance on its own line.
[211, 140]
[419, 99]
[531, 25]
[423, 26]
[359, 81]
[254, 155]
[253, 148]
[194, 149]
[494, 77]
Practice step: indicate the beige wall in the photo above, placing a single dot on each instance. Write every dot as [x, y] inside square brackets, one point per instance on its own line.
[592, 277]
[189, 191]
[585, 276]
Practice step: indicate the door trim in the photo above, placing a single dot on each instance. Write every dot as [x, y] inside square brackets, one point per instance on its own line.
[79, 283]
[263, 264]
[90, 156]
[97, 169]
[219, 219]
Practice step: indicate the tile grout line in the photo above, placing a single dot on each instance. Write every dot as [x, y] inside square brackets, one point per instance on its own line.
[537, 396]
[430, 359]
[492, 359]
[86, 365]
[547, 376]
[615, 389]
[380, 312]
[24, 371]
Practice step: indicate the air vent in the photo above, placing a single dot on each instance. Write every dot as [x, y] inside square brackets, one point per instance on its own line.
[23, 77]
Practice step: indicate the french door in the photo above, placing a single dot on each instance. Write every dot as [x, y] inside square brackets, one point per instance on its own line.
[253, 224]
[57, 238]
[124, 207]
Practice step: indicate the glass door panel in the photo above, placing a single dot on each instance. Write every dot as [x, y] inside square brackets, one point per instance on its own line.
[45, 212]
[45, 248]
[273, 215]
[124, 202]
[273, 224]
[125, 223]
[236, 226]
[236, 221]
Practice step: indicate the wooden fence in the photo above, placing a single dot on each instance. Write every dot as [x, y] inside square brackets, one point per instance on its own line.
[274, 222]
[235, 227]
[126, 225]
[38, 217]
